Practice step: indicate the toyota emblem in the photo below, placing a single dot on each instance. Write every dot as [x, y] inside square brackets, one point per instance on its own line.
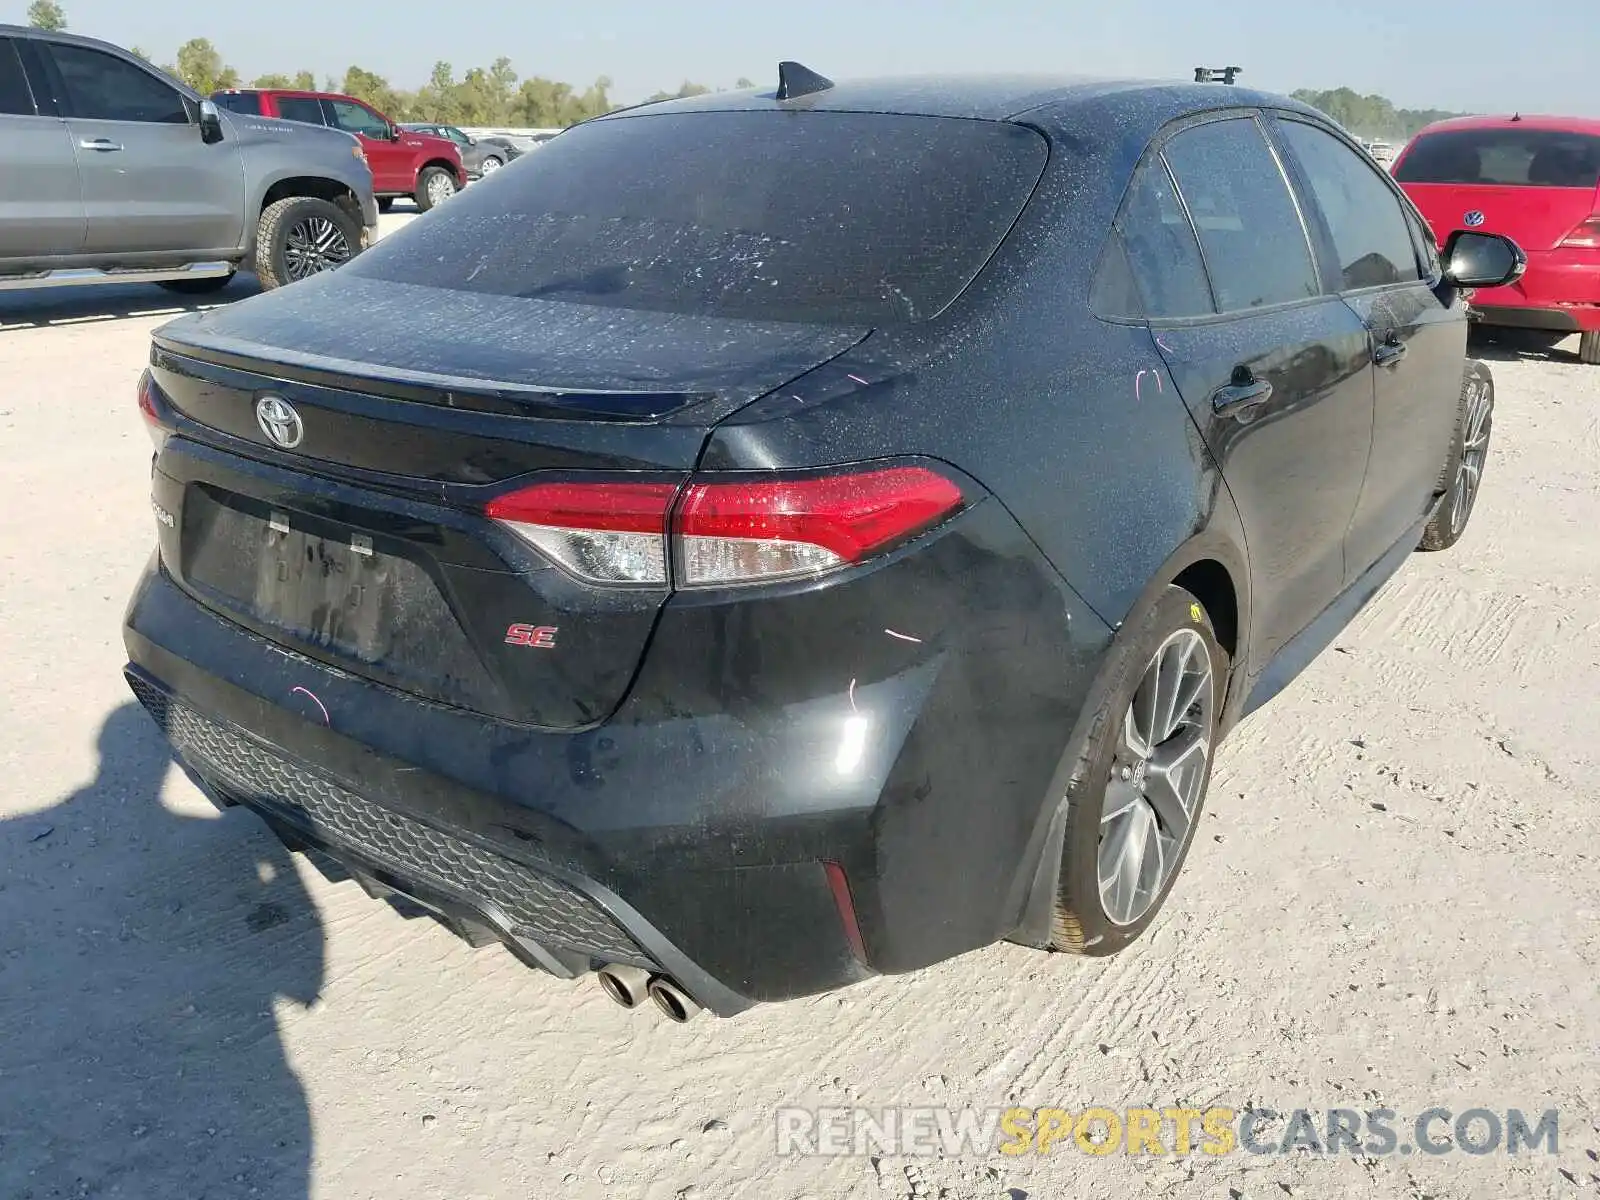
[1474, 219]
[279, 421]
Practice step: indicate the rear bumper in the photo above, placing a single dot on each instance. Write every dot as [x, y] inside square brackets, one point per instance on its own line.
[1560, 292]
[693, 832]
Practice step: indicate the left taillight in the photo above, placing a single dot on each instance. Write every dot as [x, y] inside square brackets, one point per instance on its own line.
[150, 410]
[727, 531]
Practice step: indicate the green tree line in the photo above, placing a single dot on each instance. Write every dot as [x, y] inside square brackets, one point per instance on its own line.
[1372, 116]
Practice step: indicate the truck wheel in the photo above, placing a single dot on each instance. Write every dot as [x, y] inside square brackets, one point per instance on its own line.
[303, 236]
[385, 203]
[434, 186]
[1589, 349]
[1463, 467]
[1136, 796]
[198, 287]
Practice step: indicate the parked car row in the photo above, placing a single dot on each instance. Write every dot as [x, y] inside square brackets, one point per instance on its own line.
[480, 156]
[114, 172]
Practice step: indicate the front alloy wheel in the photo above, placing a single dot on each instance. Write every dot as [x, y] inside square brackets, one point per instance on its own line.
[440, 188]
[314, 245]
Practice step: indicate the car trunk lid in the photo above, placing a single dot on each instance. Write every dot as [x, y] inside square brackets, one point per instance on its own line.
[365, 543]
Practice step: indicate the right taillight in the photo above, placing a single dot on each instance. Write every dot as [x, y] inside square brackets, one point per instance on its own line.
[725, 531]
[1585, 236]
[756, 529]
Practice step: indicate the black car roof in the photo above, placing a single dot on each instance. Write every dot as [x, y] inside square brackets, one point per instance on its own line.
[985, 97]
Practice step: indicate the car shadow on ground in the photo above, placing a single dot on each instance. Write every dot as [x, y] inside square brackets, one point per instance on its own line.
[38, 307]
[141, 955]
[1509, 345]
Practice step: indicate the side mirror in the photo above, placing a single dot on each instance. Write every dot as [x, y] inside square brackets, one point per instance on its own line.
[394, 133]
[1482, 260]
[210, 122]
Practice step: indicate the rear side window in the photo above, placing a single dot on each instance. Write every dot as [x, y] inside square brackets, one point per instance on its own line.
[1365, 218]
[15, 98]
[101, 87]
[1254, 242]
[1162, 251]
[305, 109]
[849, 218]
[1503, 158]
[240, 102]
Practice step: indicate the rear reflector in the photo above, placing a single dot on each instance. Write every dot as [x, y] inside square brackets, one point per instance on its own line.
[1585, 236]
[729, 531]
[760, 529]
[602, 532]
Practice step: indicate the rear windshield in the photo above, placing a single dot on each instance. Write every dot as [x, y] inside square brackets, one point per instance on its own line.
[848, 218]
[1504, 158]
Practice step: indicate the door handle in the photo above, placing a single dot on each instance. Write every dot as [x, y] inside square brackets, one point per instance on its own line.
[1389, 352]
[1245, 394]
[101, 144]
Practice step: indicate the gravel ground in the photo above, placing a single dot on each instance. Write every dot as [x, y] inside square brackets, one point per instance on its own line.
[1393, 903]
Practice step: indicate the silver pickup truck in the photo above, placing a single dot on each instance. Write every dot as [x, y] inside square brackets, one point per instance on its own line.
[111, 171]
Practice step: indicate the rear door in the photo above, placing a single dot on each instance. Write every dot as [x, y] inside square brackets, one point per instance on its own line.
[150, 183]
[1418, 343]
[1533, 185]
[1276, 375]
[391, 160]
[41, 209]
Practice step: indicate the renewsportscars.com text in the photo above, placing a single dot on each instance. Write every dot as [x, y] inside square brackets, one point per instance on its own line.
[949, 1132]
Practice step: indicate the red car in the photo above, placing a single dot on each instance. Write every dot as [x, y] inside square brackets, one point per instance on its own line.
[1536, 180]
[403, 163]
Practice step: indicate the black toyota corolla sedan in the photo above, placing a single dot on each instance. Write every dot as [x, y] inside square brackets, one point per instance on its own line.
[802, 534]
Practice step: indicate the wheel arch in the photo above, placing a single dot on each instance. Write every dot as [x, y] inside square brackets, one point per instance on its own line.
[320, 187]
[444, 164]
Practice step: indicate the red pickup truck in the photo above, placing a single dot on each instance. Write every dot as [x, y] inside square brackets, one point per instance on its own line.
[403, 163]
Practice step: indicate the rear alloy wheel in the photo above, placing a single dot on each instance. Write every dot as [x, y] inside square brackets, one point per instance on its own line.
[1469, 454]
[490, 165]
[303, 236]
[1589, 349]
[434, 186]
[1140, 788]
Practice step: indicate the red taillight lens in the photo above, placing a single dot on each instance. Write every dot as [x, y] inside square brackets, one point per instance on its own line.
[762, 529]
[726, 531]
[1585, 236]
[603, 532]
[149, 410]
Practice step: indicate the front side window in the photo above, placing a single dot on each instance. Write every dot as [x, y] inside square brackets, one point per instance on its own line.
[102, 87]
[1365, 218]
[305, 109]
[1255, 244]
[357, 118]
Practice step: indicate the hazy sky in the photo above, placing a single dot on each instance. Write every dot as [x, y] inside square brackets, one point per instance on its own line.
[1458, 54]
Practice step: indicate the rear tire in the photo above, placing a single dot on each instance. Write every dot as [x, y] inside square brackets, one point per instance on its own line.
[1589, 349]
[434, 186]
[198, 287]
[1109, 803]
[385, 203]
[301, 236]
[1462, 476]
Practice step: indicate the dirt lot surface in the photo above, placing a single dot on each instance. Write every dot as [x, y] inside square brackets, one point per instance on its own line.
[1394, 902]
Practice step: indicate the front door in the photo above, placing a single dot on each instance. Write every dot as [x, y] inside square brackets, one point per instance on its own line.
[150, 184]
[1417, 342]
[389, 158]
[1277, 377]
[41, 210]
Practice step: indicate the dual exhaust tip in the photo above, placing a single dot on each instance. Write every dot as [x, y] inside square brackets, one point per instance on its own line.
[629, 986]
